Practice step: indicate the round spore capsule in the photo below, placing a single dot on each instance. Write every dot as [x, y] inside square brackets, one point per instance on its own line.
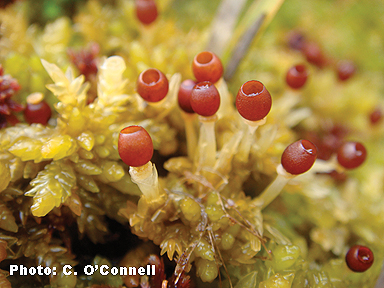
[359, 258]
[297, 76]
[299, 157]
[152, 85]
[296, 40]
[184, 96]
[376, 116]
[135, 146]
[205, 99]
[314, 54]
[253, 101]
[146, 11]
[206, 66]
[345, 70]
[351, 155]
[37, 110]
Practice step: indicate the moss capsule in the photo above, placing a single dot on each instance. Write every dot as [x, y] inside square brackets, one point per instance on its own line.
[205, 99]
[135, 146]
[253, 101]
[37, 110]
[152, 85]
[184, 95]
[314, 54]
[299, 157]
[297, 76]
[351, 155]
[359, 258]
[376, 116]
[345, 70]
[146, 11]
[206, 66]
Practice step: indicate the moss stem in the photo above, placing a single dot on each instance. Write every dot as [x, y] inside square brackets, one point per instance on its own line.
[146, 178]
[248, 138]
[274, 189]
[207, 142]
[190, 133]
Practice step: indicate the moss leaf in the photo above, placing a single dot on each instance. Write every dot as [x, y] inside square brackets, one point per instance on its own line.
[51, 187]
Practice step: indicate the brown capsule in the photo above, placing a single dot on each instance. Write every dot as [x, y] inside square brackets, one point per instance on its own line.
[297, 76]
[359, 258]
[135, 146]
[296, 40]
[299, 157]
[152, 85]
[253, 101]
[376, 116]
[314, 54]
[345, 70]
[351, 155]
[206, 66]
[205, 99]
[146, 11]
[184, 95]
[38, 113]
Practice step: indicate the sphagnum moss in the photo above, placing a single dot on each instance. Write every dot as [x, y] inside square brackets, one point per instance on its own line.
[68, 175]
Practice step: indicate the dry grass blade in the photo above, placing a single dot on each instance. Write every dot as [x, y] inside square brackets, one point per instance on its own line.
[251, 27]
[224, 24]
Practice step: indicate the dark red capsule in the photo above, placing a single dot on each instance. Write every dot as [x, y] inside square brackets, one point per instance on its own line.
[206, 66]
[376, 116]
[345, 70]
[359, 258]
[314, 54]
[152, 85]
[38, 113]
[205, 99]
[299, 157]
[253, 101]
[297, 76]
[184, 95]
[135, 146]
[37, 110]
[351, 155]
[146, 11]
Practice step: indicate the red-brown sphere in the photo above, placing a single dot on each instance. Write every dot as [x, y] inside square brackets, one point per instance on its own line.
[206, 66]
[314, 54]
[37, 113]
[253, 101]
[345, 70]
[351, 155]
[376, 116]
[297, 76]
[135, 146]
[146, 11]
[359, 258]
[299, 157]
[205, 99]
[152, 85]
[184, 95]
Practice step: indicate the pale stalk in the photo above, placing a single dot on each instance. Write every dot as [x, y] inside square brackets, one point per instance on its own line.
[274, 189]
[223, 162]
[323, 166]
[247, 140]
[190, 133]
[207, 142]
[146, 178]
[226, 99]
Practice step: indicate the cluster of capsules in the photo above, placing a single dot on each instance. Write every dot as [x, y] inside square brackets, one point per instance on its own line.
[253, 103]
